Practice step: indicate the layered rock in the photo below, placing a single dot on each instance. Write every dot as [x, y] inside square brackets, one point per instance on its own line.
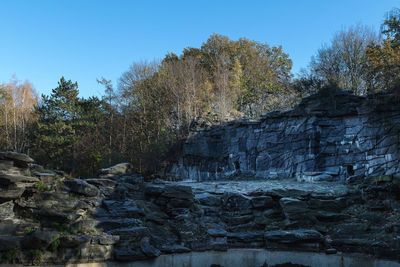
[123, 218]
[328, 136]
[15, 175]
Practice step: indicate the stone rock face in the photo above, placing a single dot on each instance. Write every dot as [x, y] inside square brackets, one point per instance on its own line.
[328, 136]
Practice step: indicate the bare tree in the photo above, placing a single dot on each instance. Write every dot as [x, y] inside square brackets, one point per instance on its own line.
[18, 100]
[343, 61]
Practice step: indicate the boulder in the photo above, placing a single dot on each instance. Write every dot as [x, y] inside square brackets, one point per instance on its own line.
[262, 202]
[11, 192]
[120, 169]
[6, 179]
[81, 187]
[16, 156]
[236, 202]
[153, 190]
[105, 239]
[177, 191]
[6, 210]
[124, 209]
[217, 232]
[149, 250]
[207, 199]
[294, 209]
[73, 241]
[132, 234]
[6, 164]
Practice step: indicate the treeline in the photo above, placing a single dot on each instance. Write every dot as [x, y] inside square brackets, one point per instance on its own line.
[358, 59]
[151, 111]
[17, 101]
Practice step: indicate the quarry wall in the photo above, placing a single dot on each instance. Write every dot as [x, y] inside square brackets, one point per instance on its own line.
[332, 135]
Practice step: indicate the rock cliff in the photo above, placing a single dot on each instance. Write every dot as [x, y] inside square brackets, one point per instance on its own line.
[332, 135]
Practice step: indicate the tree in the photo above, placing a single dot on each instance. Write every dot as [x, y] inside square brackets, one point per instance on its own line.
[145, 108]
[264, 78]
[383, 57]
[383, 66]
[55, 137]
[343, 62]
[187, 82]
[67, 134]
[16, 114]
[110, 103]
[159, 100]
[307, 83]
[391, 27]
[266, 73]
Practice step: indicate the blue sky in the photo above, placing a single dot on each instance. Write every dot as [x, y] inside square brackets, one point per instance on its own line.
[42, 40]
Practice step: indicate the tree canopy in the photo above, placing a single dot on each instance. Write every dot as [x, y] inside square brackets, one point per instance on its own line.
[150, 111]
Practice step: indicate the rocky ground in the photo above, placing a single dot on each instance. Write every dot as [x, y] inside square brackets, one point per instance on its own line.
[47, 218]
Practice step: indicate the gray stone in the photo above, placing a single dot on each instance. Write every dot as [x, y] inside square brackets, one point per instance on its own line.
[123, 209]
[208, 199]
[116, 170]
[6, 179]
[235, 201]
[16, 156]
[81, 187]
[6, 210]
[6, 164]
[336, 204]
[11, 192]
[153, 190]
[294, 209]
[47, 216]
[178, 191]
[293, 236]
[149, 250]
[262, 202]
[73, 241]
[248, 239]
[106, 239]
[132, 233]
[217, 232]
